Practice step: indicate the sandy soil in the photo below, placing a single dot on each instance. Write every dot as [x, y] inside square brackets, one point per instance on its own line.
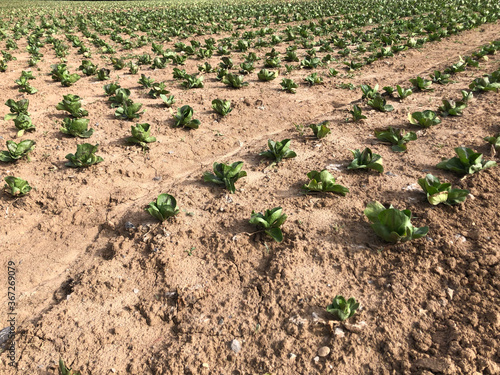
[105, 286]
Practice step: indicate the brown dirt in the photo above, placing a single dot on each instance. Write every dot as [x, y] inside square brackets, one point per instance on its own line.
[170, 298]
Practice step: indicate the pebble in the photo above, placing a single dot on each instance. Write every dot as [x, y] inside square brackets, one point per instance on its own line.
[235, 346]
[450, 291]
[390, 174]
[157, 178]
[324, 351]
[291, 356]
[129, 225]
[316, 359]
[339, 332]
[136, 291]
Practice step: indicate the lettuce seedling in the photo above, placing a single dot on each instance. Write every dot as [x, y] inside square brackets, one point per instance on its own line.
[76, 127]
[246, 68]
[313, 79]
[485, 84]
[441, 193]
[342, 308]
[24, 85]
[141, 135]
[226, 63]
[88, 68]
[234, 81]
[103, 74]
[16, 187]
[321, 130]
[452, 108]
[72, 104]
[466, 95]
[169, 101]
[146, 82]
[495, 141]
[206, 68]
[110, 88]
[421, 84]
[84, 157]
[389, 90]
[133, 68]
[396, 137]
[16, 108]
[221, 73]
[380, 104]
[278, 150]
[402, 92]
[157, 89]
[164, 207]
[23, 123]
[310, 62]
[178, 73]
[270, 221]
[289, 85]
[424, 119]
[225, 175]
[266, 75]
[193, 82]
[324, 182]
[440, 78]
[129, 111]
[368, 92]
[68, 79]
[467, 162]
[366, 160]
[16, 151]
[122, 97]
[184, 117]
[63, 370]
[392, 224]
[222, 107]
[356, 113]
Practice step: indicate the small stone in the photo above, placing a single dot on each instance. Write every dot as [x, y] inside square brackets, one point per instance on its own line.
[205, 365]
[136, 291]
[355, 328]
[235, 346]
[291, 356]
[390, 174]
[157, 178]
[449, 292]
[324, 351]
[316, 359]
[339, 332]
[129, 225]
[113, 370]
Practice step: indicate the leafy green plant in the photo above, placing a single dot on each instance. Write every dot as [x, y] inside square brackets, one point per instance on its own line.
[466, 95]
[24, 85]
[424, 119]
[16, 151]
[441, 193]
[270, 221]
[421, 84]
[403, 93]
[313, 79]
[178, 73]
[192, 81]
[23, 123]
[467, 162]
[356, 113]
[494, 140]
[164, 207]
[169, 101]
[452, 108]
[310, 62]
[129, 111]
[368, 92]
[84, 157]
[222, 107]
[157, 89]
[63, 370]
[366, 160]
[121, 97]
[234, 81]
[320, 130]
[278, 150]
[16, 187]
[73, 105]
[440, 78]
[103, 74]
[485, 84]
[110, 88]
[16, 108]
[266, 75]
[341, 308]
[226, 63]
[380, 104]
[225, 175]
[324, 182]
[147, 82]
[289, 85]
[141, 135]
[391, 224]
[396, 137]
[76, 127]
[184, 117]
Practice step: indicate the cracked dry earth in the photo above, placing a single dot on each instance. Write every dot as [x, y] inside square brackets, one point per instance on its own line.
[103, 285]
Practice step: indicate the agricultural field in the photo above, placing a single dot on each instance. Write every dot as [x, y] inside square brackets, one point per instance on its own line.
[195, 187]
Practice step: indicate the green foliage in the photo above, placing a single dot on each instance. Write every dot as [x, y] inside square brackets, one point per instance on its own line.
[270, 221]
[466, 95]
[226, 63]
[441, 193]
[467, 162]
[184, 117]
[16, 108]
[289, 85]
[391, 224]
[16, 151]
[225, 175]
[272, 62]
[495, 141]
[366, 160]
[84, 157]
[440, 78]
[177, 74]
[310, 62]
[424, 119]
[63, 370]
[403, 93]
[192, 81]
[147, 82]
[222, 107]
[278, 150]
[129, 111]
[396, 137]
[164, 207]
[421, 84]
[324, 182]
[169, 101]
[141, 135]
[24, 84]
[206, 68]
[356, 113]
[266, 75]
[452, 108]
[73, 105]
[380, 104]
[117, 63]
[234, 81]
[103, 74]
[121, 98]
[487, 83]
[23, 123]
[77, 127]
[157, 89]
[110, 88]
[313, 79]
[321, 130]
[341, 308]
[368, 92]
[16, 187]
